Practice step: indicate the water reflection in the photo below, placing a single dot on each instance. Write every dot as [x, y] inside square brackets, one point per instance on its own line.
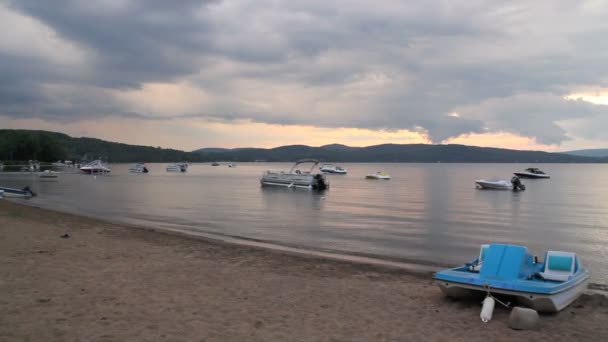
[431, 213]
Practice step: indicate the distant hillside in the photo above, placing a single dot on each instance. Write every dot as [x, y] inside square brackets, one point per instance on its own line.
[51, 146]
[598, 152]
[423, 153]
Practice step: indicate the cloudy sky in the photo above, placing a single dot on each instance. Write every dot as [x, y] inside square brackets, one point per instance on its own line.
[189, 74]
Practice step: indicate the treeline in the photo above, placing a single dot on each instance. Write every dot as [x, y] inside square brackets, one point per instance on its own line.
[18, 145]
[23, 145]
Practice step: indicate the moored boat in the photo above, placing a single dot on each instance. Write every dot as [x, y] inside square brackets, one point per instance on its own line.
[330, 168]
[48, 174]
[139, 168]
[96, 167]
[379, 175]
[532, 172]
[176, 168]
[501, 184]
[26, 192]
[546, 286]
[296, 178]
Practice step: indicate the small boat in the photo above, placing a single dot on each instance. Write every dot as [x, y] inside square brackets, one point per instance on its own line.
[177, 168]
[215, 164]
[1, 194]
[26, 192]
[96, 167]
[48, 174]
[547, 286]
[330, 168]
[139, 168]
[379, 175]
[295, 178]
[231, 165]
[501, 184]
[532, 172]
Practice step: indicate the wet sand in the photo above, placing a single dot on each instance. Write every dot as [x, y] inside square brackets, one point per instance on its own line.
[108, 282]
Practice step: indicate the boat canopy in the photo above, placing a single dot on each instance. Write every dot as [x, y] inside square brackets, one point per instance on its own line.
[305, 161]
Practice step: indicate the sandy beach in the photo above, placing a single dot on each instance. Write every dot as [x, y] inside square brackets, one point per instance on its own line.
[107, 282]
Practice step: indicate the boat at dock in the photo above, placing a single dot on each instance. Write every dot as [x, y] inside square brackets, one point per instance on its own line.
[546, 286]
[296, 178]
[532, 172]
[330, 168]
[26, 192]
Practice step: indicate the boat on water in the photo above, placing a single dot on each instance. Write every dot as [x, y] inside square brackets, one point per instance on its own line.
[139, 168]
[60, 163]
[296, 178]
[378, 175]
[231, 165]
[96, 167]
[532, 172]
[546, 286]
[500, 184]
[215, 164]
[26, 192]
[180, 167]
[330, 168]
[48, 174]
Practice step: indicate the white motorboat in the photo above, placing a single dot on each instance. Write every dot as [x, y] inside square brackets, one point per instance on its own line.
[96, 167]
[48, 174]
[60, 164]
[26, 192]
[532, 172]
[378, 175]
[177, 168]
[139, 168]
[330, 168]
[500, 184]
[231, 165]
[296, 178]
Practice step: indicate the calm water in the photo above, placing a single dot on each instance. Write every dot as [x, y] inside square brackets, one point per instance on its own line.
[427, 213]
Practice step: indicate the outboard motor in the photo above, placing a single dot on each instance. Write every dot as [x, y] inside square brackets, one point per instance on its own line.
[320, 182]
[517, 185]
[27, 189]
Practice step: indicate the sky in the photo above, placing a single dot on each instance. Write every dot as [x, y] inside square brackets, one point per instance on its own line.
[189, 74]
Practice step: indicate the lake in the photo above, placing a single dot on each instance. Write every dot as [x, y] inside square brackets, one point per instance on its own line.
[430, 214]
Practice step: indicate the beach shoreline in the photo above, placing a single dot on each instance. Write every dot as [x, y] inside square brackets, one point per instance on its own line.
[113, 282]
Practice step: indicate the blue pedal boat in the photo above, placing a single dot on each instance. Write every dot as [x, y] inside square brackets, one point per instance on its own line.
[547, 286]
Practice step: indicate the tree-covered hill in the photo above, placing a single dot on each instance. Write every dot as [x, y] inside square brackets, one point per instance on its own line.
[50, 146]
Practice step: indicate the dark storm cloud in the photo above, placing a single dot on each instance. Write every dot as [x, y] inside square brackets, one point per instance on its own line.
[502, 66]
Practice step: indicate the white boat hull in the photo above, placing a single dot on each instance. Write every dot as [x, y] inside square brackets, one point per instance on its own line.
[378, 177]
[539, 302]
[531, 175]
[494, 185]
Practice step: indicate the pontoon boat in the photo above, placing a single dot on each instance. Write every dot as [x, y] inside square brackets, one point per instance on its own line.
[296, 178]
[139, 168]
